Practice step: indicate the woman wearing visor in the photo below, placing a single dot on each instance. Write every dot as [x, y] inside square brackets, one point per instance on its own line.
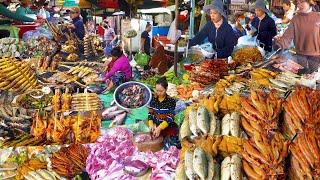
[218, 31]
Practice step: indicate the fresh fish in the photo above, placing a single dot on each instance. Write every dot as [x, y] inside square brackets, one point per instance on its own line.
[45, 174]
[218, 127]
[180, 172]
[35, 175]
[228, 91]
[213, 123]
[188, 165]
[235, 167]
[226, 169]
[216, 171]
[200, 163]
[185, 128]
[114, 114]
[279, 83]
[211, 163]
[234, 124]
[109, 110]
[203, 120]
[226, 125]
[193, 121]
[28, 177]
[118, 120]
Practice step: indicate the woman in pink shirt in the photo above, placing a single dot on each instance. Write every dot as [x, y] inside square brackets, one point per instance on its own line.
[118, 69]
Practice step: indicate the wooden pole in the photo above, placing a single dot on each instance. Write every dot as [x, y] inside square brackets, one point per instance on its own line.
[192, 14]
[176, 44]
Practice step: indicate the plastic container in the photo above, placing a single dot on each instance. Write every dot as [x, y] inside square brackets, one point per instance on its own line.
[154, 145]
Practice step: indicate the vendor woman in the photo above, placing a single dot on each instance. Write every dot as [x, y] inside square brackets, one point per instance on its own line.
[265, 26]
[118, 70]
[161, 112]
[7, 13]
[24, 8]
[218, 31]
[304, 31]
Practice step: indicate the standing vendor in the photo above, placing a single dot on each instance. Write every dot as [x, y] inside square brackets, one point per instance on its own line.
[145, 40]
[77, 25]
[161, 112]
[289, 10]
[304, 31]
[218, 31]
[7, 13]
[265, 25]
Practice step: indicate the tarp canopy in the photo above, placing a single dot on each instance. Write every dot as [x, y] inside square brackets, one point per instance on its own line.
[154, 11]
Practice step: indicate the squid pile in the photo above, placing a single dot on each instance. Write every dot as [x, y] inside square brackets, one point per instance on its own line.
[301, 110]
[305, 156]
[263, 156]
[260, 112]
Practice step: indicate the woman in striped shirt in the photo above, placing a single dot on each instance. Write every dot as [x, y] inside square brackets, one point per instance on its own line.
[161, 112]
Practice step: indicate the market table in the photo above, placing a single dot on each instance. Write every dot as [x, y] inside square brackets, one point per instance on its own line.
[26, 27]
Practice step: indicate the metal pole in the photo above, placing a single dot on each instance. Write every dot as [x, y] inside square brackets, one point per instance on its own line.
[176, 44]
[191, 27]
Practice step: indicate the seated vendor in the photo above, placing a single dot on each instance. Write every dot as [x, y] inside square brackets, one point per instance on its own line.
[118, 70]
[14, 16]
[161, 112]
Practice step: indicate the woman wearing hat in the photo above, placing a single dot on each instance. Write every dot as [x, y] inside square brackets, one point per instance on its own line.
[304, 31]
[265, 26]
[218, 31]
[77, 25]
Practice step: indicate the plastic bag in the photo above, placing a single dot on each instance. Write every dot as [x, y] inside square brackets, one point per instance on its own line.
[173, 34]
[36, 34]
[42, 13]
[247, 41]
[179, 118]
[142, 59]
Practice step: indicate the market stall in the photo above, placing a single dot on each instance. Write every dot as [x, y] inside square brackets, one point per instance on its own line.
[253, 115]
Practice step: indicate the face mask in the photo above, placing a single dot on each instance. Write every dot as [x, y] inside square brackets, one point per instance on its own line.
[242, 22]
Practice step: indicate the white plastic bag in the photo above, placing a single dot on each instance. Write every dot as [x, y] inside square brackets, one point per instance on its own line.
[247, 41]
[173, 34]
[42, 13]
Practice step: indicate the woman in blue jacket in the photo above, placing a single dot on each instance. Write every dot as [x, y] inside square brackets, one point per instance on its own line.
[265, 26]
[218, 31]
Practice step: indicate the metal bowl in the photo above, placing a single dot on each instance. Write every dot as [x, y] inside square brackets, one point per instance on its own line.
[147, 94]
